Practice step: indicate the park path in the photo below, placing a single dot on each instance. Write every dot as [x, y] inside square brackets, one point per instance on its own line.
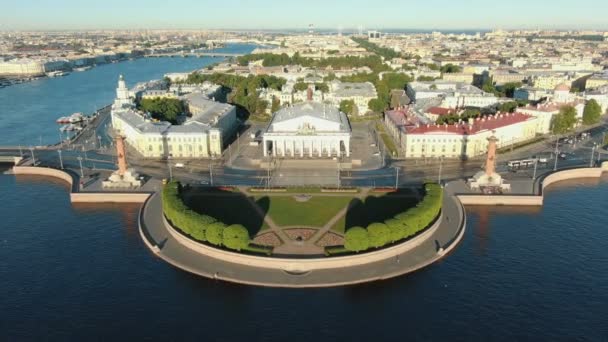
[319, 234]
[271, 224]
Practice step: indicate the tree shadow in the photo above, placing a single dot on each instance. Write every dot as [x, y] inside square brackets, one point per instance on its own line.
[378, 208]
[228, 207]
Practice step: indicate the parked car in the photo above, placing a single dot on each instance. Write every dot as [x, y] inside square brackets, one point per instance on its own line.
[179, 165]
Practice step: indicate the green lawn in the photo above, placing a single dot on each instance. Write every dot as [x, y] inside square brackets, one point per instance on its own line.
[375, 208]
[286, 211]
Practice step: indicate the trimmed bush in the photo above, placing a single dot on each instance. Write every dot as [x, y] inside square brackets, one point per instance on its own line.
[397, 228]
[356, 239]
[186, 220]
[379, 234]
[202, 227]
[402, 226]
[236, 237]
[215, 233]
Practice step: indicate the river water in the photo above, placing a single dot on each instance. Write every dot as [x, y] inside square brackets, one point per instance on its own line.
[82, 272]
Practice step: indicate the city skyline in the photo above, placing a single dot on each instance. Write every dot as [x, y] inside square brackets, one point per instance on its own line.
[274, 14]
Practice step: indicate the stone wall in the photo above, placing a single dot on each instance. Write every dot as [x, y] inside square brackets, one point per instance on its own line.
[82, 197]
[533, 200]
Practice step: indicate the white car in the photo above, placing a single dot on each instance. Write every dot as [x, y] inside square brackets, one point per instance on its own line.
[179, 165]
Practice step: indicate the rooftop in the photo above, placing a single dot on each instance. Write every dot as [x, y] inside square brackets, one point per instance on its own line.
[487, 123]
[206, 110]
[311, 109]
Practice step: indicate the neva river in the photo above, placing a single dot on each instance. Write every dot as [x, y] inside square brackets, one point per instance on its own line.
[82, 272]
[28, 110]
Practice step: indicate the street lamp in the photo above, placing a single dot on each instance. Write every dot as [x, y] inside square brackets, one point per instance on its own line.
[33, 156]
[85, 153]
[81, 169]
[396, 176]
[556, 154]
[60, 159]
[170, 170]
[238, 143]
[440, 169]
[211, 171]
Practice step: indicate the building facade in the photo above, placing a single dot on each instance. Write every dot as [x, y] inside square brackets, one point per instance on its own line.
[202, 135]
[461, 140]
[309, 129]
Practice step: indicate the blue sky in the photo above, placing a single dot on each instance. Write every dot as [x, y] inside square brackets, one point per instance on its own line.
[276, 14]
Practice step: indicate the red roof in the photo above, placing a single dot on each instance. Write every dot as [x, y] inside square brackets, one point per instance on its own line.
[464, 128]
[441, 111]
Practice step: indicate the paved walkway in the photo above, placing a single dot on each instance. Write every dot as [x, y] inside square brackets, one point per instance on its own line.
[446, 236]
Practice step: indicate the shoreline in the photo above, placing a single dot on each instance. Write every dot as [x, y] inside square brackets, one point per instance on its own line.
[410, 256]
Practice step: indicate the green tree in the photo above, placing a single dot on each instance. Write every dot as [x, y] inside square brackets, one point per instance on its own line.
[564, 121]
[356, 239]
[592, 113]
[198, 232]
[236, 237]
[433, 67]
[387, 53]
[276, 104]
[425, 78]
[164, 109]
[507, 107]
[450, 69]
[376, 105]
[397, 229]
[509, 88]
[348, 107]
[300, 86]
[470, 113]
[322, 87]
[379, 234]
[215, 233]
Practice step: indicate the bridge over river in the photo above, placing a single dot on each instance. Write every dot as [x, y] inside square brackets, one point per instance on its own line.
[196, 54]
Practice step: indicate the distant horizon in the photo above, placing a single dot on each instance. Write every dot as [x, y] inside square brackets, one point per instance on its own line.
[348, 30]
[234, 15]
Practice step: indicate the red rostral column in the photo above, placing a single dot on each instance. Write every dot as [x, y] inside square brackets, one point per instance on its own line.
[491, 161]
[122, 155]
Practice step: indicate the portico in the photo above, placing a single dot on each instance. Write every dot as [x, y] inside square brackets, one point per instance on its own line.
[308, 130]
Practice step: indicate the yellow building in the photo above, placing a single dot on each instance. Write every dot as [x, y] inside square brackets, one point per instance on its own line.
[467, 139]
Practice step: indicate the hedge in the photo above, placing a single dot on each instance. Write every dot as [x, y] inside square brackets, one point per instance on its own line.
[202, 227]
[402, 226]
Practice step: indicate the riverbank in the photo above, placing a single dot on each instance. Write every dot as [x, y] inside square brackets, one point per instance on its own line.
[186, 254]
[408, 257]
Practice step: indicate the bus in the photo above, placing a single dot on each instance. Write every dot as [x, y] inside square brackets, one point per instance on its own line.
[515, 164]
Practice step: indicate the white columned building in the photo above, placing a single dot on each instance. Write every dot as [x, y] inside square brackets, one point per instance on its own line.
[308, 130]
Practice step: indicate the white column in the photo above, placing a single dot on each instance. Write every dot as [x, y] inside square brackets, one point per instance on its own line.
[320, 148]
[265, 147]
[293, 148]
[312, 145]
[284, 144]
[347, 146]
[328, 147]
[301, 148]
